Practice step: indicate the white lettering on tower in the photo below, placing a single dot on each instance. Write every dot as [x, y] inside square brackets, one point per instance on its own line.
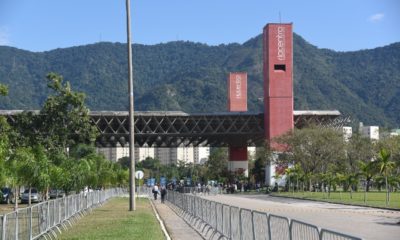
[281, 43]
[238, 90]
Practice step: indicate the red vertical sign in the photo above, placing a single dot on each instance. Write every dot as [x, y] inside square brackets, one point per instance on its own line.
[237, 92]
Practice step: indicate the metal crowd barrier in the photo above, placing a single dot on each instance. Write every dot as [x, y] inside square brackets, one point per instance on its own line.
[203, 190]
[35, 221]
[234, 223]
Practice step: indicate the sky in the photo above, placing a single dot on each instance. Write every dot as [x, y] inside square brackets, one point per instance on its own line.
[341, 25]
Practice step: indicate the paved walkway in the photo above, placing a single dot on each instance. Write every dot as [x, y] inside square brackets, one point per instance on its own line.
[367, 223]
[177, 228]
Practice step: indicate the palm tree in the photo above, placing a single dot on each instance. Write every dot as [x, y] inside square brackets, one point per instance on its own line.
[341, 179]
[289, 173]
[328, 179]
[367, 170]
[297, 172]
[385, 165]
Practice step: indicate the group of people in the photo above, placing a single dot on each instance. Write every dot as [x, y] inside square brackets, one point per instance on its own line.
[159, 190]
[241, 187]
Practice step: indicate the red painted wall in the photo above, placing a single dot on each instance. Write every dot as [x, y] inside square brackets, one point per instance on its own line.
[278, 80]
[237, 92]
[238, 153]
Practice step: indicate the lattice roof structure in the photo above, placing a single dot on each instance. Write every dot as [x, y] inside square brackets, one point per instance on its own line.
[175, 128]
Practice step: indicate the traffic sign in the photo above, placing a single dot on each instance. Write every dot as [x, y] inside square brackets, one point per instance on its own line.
[139, 174]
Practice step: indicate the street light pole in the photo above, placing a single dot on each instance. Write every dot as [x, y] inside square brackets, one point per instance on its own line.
[132, 204]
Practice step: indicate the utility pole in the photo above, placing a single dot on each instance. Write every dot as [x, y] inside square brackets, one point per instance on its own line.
[132, 203]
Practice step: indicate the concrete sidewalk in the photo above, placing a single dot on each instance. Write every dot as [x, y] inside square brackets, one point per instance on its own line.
[177, 228]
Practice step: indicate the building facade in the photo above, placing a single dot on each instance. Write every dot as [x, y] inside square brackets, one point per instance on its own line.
[372, 132]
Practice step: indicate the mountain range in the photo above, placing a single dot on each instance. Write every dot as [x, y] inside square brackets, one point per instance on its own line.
[191, 77]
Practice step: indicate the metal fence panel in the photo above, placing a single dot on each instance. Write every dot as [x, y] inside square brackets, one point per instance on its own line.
[219, 212]
[197, 207]
[10, 227]
[261, 227]
[300, 230]
[35, 220]
[235, 223]
[57, 211]
[205, 212]
[213, 215]
[23, 223]
[246, 219]
[43, 216]
[32, 222]
[1, 225]
[63, 209]
[226, 211]
[51, 213]
[332, 235]
[192, 207]
[279, 227]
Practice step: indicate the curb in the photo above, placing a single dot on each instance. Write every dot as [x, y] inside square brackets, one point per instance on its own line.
[163, 228]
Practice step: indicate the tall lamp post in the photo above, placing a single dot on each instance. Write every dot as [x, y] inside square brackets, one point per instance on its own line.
[132, 203]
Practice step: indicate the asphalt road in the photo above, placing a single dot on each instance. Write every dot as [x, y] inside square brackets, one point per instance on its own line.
[367, 223]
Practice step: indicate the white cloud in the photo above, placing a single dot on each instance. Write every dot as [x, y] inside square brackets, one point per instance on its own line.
[4, 36]
[376, 17]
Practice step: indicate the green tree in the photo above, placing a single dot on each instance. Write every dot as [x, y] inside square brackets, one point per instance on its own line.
[368, 170]
[217, 165]
[3, 90]
[317, 150]
[263, 158]
[125, 162]
[385, 165]
[4, 147]
[4, 140]
[258, 171]
[64, 118]
[41, 170]
[22, 163]
[350, 180]
[359, 148]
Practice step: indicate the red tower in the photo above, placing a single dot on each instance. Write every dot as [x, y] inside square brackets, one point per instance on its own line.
[237, 102]
[278, 80]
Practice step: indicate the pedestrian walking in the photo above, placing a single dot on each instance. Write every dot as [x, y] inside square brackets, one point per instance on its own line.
[163, 193]
[155, 192]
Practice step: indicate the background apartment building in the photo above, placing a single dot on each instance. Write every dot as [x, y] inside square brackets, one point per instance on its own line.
[196, 155]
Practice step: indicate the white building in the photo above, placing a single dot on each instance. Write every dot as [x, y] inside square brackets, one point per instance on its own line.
[196, 155]
[201, 154]
[142, 153]
[115, 153]
[165, 155]
[251, 153]
[347, 133]
[372, 132]
[185, 154]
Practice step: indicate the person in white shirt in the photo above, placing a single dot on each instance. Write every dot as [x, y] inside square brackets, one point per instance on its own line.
[155, 192]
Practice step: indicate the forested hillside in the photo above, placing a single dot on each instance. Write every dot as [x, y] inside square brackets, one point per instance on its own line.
[191, 77]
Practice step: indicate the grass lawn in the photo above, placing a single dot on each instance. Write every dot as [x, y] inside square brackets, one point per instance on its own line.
[114, 221]
[374, 199]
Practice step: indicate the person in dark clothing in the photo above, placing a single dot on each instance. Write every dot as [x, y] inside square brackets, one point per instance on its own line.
[163, 193]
